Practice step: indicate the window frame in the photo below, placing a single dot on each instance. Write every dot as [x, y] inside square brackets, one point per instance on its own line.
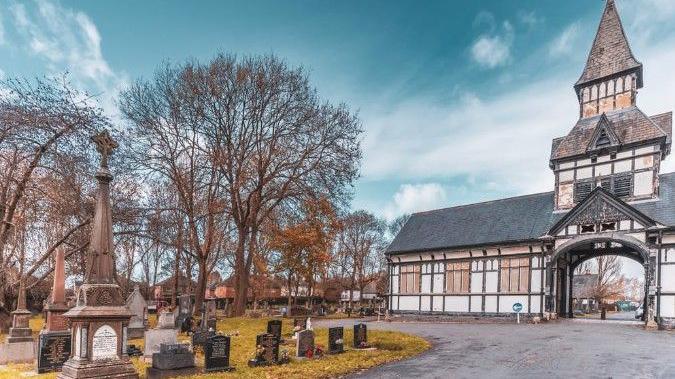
[518, 268]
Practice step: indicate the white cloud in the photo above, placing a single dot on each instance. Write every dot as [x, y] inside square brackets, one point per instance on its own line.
[565, 43]
[531, 19]
[411, 198]
[68, 40]
[493, 49]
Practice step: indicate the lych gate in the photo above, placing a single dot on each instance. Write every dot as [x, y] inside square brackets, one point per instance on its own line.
[598, 226]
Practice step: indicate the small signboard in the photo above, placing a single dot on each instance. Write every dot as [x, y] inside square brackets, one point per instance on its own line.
[517, 307]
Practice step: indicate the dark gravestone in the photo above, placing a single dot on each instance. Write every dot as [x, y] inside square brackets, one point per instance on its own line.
[305, 344]
[267, 350]
[184, 309]
[274, 328]
[336, 343]
[217, 354]
[211, 324]
[300, 322]
[360, 336]
[53, 351]
[200, 336]
[171, 361]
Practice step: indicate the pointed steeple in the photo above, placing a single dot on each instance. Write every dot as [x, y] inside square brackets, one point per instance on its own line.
[610, 54]
[100, 263]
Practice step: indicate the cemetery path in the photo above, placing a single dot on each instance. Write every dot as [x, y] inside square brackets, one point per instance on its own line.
[558, 349]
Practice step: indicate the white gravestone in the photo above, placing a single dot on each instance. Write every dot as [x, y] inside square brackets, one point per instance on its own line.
[104, 343]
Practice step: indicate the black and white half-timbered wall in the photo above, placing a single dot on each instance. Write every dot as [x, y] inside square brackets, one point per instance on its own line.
[610, 198]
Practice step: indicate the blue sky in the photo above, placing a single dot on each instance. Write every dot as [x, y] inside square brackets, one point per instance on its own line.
[459, 99]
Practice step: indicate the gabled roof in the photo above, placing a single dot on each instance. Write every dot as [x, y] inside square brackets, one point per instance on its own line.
[524, 218]
[600, 203]
[630, 125]
[610, 53]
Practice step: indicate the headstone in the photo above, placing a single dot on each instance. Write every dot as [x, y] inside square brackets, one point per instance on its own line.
[217, 354]
[336, 342]
[172, 360]
[304, 346]
[104, 343]
[166, 320]
[267, 350]
[274, 328]
[163, 334]
[360, 336]
[53, 351]
[139, 309]
[199, 337]
[184, 309]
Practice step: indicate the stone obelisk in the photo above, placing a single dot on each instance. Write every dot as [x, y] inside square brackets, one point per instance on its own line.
[100, 319]
[55, 341]
[57, 306]
[19, 346]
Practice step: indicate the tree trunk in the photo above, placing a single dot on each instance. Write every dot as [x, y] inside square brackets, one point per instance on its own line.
[240, 277]
[176, 272]
[200, 291]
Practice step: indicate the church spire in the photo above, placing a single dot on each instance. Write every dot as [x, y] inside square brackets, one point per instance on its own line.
[612, 75]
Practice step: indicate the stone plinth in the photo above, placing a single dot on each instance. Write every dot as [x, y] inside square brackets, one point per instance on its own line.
[17, 352]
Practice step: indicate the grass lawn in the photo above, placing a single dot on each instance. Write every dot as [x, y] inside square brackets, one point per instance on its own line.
[391, 346]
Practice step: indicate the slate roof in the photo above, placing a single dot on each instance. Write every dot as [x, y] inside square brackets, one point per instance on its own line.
[515, 219]
[630, 125]
[610, 53]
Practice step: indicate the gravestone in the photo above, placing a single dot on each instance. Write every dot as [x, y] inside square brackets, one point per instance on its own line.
[274, 328]
[217, 354]
[360, 336]
[139, 310]
[336, 344]
[172, 360]
[163, 334]
[199, 337]
[184, 309]
[304, 346]
[267, 350]
[53, 351]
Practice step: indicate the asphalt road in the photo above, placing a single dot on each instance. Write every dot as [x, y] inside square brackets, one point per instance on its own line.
[562, 349]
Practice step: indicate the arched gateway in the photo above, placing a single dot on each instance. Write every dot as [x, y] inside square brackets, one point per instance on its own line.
[609, 199]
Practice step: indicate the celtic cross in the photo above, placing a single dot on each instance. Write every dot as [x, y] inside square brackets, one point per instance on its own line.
[104, 145]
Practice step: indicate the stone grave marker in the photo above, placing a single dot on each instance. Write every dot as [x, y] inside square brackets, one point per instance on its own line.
[163, 334]
[199, 337]
[217, 354]
[274, 328]
[184, 309]
[54, 351]
[304, 346]
[268, 345]
[172, 360]
[139, 309]
[336, 342]
[360, 336]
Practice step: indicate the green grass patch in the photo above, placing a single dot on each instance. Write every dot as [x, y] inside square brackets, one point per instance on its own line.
[391, 346]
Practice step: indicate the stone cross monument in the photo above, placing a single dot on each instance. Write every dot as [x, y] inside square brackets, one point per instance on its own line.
[100, 318]
[19, 346]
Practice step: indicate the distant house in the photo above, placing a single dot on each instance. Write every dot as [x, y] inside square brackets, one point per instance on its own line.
[368, 296]
[163, 291]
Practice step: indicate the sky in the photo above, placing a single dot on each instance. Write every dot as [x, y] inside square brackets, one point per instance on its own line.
[459, 100]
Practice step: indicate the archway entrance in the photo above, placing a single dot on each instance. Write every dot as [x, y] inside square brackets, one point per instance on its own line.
[575, 253]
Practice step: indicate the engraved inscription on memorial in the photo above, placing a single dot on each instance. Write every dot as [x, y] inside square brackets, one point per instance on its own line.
[54, 350]
[104, 343]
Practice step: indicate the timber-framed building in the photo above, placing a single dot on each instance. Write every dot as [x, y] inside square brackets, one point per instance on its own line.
[609, 199]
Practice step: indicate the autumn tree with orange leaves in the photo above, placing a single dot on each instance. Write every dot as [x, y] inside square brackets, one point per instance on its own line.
[304, 244]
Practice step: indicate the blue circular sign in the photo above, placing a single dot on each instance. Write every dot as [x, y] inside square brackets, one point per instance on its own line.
[517, 307]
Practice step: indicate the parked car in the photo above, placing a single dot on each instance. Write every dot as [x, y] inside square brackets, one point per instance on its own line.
[639, 312]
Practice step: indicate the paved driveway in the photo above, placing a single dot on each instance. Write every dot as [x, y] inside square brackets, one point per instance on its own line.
[565, 348]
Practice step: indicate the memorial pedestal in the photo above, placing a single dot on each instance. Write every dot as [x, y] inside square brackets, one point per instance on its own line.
[53, 350]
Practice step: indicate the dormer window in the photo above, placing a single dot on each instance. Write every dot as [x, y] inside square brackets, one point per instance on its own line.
[590, 228]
